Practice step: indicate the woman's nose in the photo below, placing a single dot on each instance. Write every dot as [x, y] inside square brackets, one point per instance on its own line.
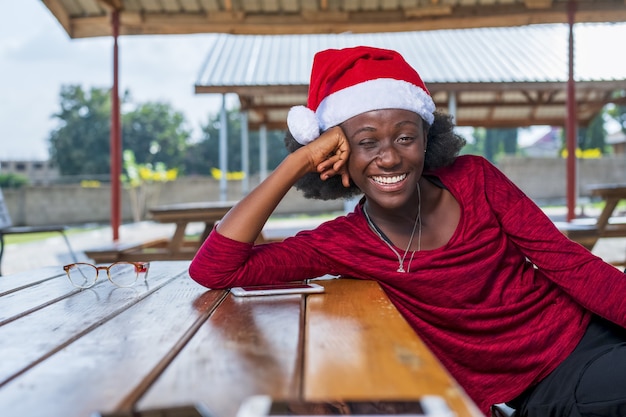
[388, 156]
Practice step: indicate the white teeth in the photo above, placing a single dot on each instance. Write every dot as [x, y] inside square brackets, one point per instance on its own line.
[389, 180]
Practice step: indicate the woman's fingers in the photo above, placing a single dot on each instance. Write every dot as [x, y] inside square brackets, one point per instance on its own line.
[329, 155]
[334, 164]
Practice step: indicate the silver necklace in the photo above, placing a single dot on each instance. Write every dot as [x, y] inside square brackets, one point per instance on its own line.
[418, 219]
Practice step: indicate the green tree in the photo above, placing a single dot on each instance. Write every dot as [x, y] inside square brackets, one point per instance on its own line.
[11, 180]
[509, 141]
[156, 134]
[594, 135]
[475, 145]
[491, 143]
[204, 155]
[500, 141]
[81, 143]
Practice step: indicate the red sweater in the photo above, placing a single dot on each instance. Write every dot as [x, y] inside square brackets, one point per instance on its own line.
[500, 305]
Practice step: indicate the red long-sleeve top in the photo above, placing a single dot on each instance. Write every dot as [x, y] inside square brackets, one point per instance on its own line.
[500, 305]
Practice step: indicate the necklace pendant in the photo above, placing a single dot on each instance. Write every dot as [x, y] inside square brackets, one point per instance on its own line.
[401, 269]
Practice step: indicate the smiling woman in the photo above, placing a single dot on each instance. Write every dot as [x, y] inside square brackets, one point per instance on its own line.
[475, 267]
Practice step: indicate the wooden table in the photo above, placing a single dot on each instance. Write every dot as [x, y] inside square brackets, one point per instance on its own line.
[607, 225]
[610, 225]
[174, 248]
[168, 341]
[182, 214]
[612, 194]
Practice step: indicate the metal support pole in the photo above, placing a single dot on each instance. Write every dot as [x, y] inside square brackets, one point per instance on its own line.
[245, 153]
[571, 122]
[116, 134]
[452, 104]
[263, 151]
[223, 151]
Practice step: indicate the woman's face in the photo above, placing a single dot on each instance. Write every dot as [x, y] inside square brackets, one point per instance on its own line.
[387, 154]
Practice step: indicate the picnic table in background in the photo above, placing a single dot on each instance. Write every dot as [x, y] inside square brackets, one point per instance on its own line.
[168, 341]
[608, 224]
[178, 247]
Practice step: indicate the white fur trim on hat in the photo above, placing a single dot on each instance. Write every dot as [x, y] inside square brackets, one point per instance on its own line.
[303, 124]
[378, 94]
[382, 93]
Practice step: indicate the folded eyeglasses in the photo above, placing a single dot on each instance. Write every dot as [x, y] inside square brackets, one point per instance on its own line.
[122, 274]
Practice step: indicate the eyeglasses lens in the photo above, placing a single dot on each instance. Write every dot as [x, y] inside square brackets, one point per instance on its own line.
[83, 275]
[123, 274]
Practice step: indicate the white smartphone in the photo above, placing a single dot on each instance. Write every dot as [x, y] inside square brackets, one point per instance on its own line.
[191, 410]
[265, 406]
[277, 289]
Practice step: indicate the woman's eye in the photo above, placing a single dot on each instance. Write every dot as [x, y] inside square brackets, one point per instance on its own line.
[367, 143]
[405, 139]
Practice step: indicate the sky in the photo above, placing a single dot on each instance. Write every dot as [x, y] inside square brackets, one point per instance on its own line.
[37, 57]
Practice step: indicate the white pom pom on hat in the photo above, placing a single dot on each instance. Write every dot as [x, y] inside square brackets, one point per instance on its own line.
[303, 124]
[347, 82]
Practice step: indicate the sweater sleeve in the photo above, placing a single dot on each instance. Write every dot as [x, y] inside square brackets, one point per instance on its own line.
[596, 285]
[224, 263]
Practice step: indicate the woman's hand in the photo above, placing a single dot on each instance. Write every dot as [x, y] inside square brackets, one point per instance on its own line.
[329, 155]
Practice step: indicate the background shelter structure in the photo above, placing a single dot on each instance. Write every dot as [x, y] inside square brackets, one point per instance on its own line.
[484, 77]
[91, 18]
[503, 77]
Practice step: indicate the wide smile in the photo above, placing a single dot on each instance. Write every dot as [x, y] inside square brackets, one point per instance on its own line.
[388, 180]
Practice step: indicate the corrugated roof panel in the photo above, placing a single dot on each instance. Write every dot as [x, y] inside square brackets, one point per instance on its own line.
[228, 63]
[254, 62]
[430, 56]
[494, 72]
[541, 54]
[206, 70]
[522, 54]
[270, 55]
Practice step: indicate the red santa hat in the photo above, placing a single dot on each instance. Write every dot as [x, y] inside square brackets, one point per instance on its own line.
[347, 82]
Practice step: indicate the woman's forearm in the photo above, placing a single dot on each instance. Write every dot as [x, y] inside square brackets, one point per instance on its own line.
[245, 221]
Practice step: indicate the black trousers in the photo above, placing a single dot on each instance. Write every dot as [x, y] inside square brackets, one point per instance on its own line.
[589, 382]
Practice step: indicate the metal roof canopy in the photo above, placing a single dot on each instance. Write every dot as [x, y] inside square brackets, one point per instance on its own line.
[500, 77]
[90, 18]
